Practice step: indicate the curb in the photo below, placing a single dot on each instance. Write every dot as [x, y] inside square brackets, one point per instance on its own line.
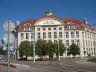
[6, 64]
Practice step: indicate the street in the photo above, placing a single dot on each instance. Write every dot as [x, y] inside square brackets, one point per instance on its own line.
[65, 65]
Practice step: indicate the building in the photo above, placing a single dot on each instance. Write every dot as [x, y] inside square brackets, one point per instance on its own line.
[69, 30]
[0, 46]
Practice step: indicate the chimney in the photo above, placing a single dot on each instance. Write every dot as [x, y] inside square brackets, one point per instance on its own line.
[17, 23]
[85, 21]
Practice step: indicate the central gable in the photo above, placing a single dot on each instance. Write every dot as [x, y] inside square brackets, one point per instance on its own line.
[49, 21]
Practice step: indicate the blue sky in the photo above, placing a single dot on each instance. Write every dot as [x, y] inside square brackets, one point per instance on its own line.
[32, 9]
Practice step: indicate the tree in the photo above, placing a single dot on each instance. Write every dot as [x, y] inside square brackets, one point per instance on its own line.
[51, 49]
[41, 48]
[2, 52]
[25, 49]
[61, 47]
[73, 49]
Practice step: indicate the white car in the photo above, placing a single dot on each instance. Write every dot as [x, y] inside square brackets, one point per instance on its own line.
[1, 57]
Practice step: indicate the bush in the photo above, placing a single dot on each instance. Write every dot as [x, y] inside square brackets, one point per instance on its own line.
[92, 60]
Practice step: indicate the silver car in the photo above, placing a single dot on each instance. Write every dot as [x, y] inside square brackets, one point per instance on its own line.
[1, 57]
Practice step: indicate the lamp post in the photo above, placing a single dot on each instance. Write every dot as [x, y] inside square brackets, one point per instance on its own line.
[58, 50]
[34, 45]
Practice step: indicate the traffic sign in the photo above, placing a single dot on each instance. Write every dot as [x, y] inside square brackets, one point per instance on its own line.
[11, 25]
[11, 38]
[14, 53]
[4, 48]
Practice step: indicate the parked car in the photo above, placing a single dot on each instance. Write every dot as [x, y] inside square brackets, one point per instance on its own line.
[1, 57]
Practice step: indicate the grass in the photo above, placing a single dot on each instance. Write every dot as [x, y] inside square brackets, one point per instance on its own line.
[92, 60]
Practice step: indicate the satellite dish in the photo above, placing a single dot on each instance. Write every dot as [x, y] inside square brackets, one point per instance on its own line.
[11, 38]
[11, 25]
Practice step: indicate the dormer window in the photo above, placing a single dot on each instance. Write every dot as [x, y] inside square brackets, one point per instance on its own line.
[70, 23]
[83, 24]
[27, 28]
[71, 27]
[27, 24]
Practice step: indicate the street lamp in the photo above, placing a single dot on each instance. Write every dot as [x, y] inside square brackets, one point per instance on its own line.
[34, 45]
[58, 50]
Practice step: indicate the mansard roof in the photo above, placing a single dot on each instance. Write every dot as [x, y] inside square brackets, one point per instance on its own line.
[48, 16]
[21, 26]
[67, 21]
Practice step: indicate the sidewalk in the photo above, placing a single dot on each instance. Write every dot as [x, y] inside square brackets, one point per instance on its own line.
[19, 67]
[85, 62]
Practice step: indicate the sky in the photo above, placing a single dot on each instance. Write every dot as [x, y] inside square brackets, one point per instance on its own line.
[20, 10]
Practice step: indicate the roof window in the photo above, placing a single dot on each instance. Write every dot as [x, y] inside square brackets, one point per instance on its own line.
[27, 24]
[70, 23]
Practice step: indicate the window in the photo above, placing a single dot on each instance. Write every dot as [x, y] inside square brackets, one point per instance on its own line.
[88, 35]
[60, 28]
[55, 28]
[27, 24]
[38, 35]
[60, 41]
[31, 28]
[72, 41]
[77, 34]
[55, 34]
[67, 42]
[55, 41]
[44, 34]
[60, 34]
[72, 27]
[26, 28]
[49, 28]
[78, 42]
[32, 35]
[86, 42]
[44, 29]
[94, 51]
[27, 35]
[67, 35]
[49, 34]
[22, 36]
[38, 29]
[72, 34]
[70, 23]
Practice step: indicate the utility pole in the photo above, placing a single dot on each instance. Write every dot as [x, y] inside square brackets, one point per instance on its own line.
[34, 45]
[8, 49]
[8, 38]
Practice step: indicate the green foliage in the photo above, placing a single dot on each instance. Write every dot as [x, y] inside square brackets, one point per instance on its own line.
[92, 60]
[2, 52]
[48, 48]
[73, 49]
[41, 47]
[62, 47]
[51, 49]
[25, 48]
